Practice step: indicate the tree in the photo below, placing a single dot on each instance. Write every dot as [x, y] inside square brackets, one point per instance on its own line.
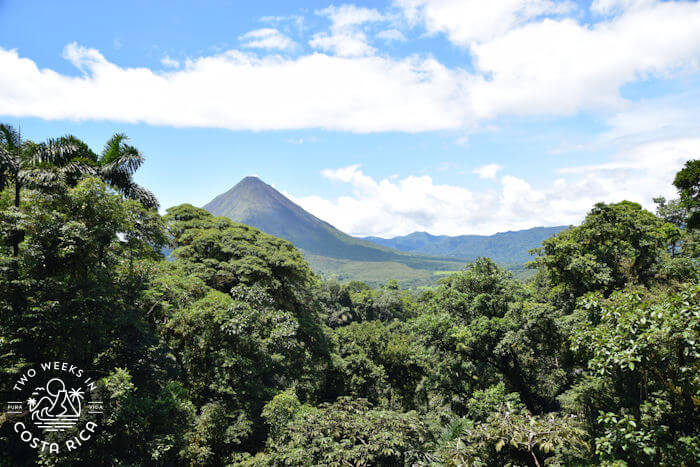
[615, 245]
[26, 164]
[77, 297]
[485, 332]
[510, 435]
[381, 363]
[349, 432]
[641, 392]
[225, 254]
[481, 289]
[237, 314]
[78, 275]
[687, 182]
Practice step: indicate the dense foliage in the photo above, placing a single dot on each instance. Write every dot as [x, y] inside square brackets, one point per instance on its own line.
[233, 352]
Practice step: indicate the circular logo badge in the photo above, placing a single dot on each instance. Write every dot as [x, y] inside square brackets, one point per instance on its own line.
[53, 410]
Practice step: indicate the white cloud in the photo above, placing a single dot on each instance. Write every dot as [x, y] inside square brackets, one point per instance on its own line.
[560, 66]
[666, 117]
[267, 38]
[657, 159]
[392, 206]
[670, 117]
[341, 44]
[346, 38]
[169, 62]
[391, 35]
[487, 171]
[468, 21]
[347, 16]
[235, 90]
[534, 66]
[609, 7]
[297, 21]
[445, 166]
[531, 60]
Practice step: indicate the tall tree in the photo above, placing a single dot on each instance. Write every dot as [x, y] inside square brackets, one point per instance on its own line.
[24, 163]
[615, 245]
[688, 183]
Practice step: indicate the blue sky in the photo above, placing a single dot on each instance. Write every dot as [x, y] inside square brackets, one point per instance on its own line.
[447, 116]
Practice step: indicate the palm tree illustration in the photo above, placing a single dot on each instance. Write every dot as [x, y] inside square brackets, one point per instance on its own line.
[75, 396]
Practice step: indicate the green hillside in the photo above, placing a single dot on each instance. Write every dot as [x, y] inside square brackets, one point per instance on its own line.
[510, 248]
[376, 273]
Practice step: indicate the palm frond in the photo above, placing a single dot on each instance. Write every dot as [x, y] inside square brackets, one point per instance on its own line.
[36, 178]
[144, 196]
[121, 181]
[118, 179]
[75, 170]
[9, 137]
[112, 148]
[56, 152]
[128, 160]
[8, 160]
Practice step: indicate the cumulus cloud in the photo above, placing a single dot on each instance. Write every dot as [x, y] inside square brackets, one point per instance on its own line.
[527, 60]
[670, 117]
[346, 38]
[350, 15]
[468, 21]
[391, 206]
[236, 90]
[267, 38]
[487, 171]
[462, 141]
[296, 21]
[343, 44]
[585, 66]
[664, 117]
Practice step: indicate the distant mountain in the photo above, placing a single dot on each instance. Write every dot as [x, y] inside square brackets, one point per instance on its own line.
[417, 259]
[509, 248]
[256, 203]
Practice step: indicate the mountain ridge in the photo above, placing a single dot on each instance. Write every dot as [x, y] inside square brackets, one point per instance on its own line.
[419, 258]
[510, 247]
[252, 201]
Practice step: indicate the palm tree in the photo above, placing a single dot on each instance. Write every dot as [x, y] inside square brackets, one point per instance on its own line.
[70, 159]
[27, 164]
[75, 396]
[116, 166]
[24, 163]
[13, 159]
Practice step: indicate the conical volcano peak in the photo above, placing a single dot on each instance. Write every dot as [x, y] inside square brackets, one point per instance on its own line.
[252, 201]
[251, 179]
